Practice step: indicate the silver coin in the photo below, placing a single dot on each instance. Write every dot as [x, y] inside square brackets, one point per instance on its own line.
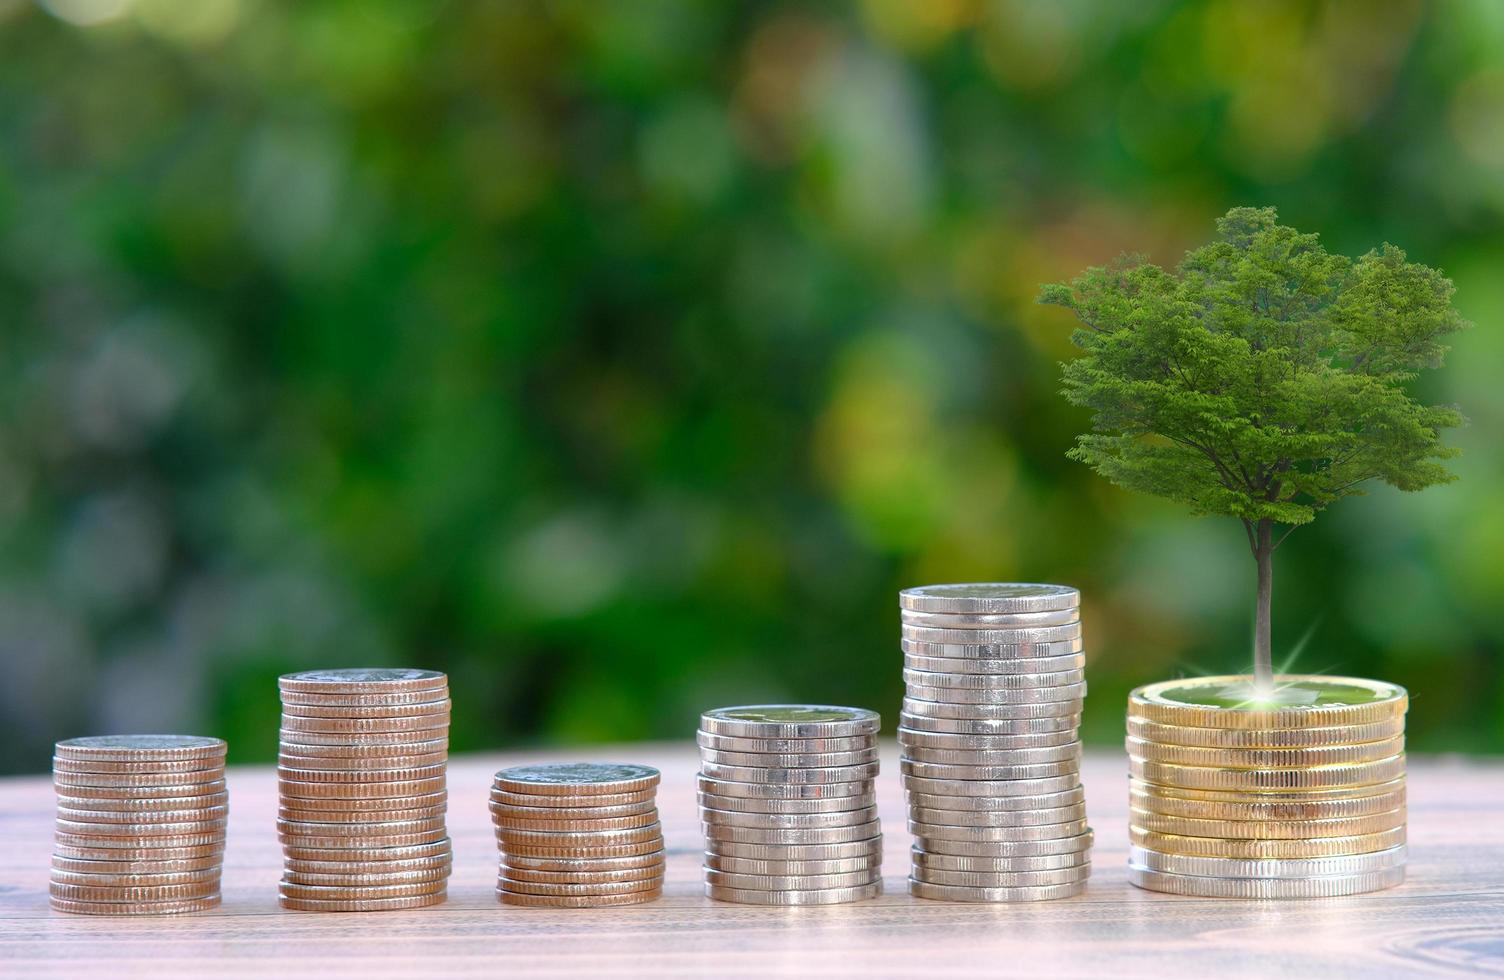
[373, 679]
[790, 721]
[292, 741]
[997, 668]
[1002, 879]
[993, 682]
[751, 774]
[736, 743]
[989, 597]
[732, 879]
[997, 818]
[1009, 849]
[788, 821]
[366, 754]
[577, 778]
[930, 832]
[1064, 694]
[824, 896]
[921, 858]
[960, 893]
[720, 862]
[1324, 886]
[1047, 801]
[988, 712]
[821, 835]
[988, 787]
[955, 742]
[1283, 868]
[993, 757]
[744, 804]
[937, 770]
[1023, 636]
[991, 726]
[990, 621]
[122, 747]
[974, 651]
[872, 847]
[782, 791]
[790, 760]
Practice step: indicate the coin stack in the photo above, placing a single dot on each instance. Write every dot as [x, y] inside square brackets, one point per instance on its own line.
[140, 824]
[991, 758]
[787, 804]
[362, 790]
[578, 835]
[1297, 793]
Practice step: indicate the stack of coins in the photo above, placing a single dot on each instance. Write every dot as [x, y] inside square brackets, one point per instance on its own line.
[1297, 793]
[787, 804]
[578, 835]
[362, 790]
[991, 760]
[140, 824]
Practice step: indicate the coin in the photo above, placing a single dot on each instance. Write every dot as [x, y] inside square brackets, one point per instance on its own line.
[1261, 850]
[1002, 879]
[972, 650]
[136, 908]
[736, 743]
[210, 862]
[577, 778]
[1325, 886]
[790, 760]
[1010, 849]
[292, 890]
[788, 821]
[1326, 755]
[790, 721]
[823, 835]
[372, 828]
[961, 893]
[1316, 777]
[782, 791]
[928, 832]
[116, 748]
[578, 901]
[997, 818]
[818, 896]
[173, 781]
[568, 865]
[994, 757]
[1020, 637]
[996, 788]
[1229, 702]
[1286, 868]
[362, 905]
[295, 742]
[134, 835]
[1067, 694]
[132, 796]
[1044, 683]
[591, 824]
[742, 804]
[380, 699]
[396, 853]
[132, 893]
[363, 809]
[799, 852]
[990, 621]
[850, 879]
[646, 798]
[595, 851]
[142, 765]
[653, 872]
[136, 879]
[921, 858]
[751, 866]
[992, 726]
[380, 709]
[291, 789]
[363, 680]
[1003, 666]
[137, 817]
[1268, 829]
[594, 888]
[356, 726]
[790, 776]
[335, 842]
[1321, 795]
[125, 808]
[91, 852]
[393, 866]
[989, 597]
[360, 775]
[537, 838]
[1144, 796]
[991, 712]
[368, 754]
[1266, 738]
[367, 880]
[525, 814]
[1046, 801]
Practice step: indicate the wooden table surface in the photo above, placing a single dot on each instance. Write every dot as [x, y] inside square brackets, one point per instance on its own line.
[1447, 918]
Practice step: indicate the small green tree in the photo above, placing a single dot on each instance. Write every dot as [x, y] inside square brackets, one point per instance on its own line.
[1263, 379]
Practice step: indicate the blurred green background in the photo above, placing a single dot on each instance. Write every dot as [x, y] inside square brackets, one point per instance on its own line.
[625, 359]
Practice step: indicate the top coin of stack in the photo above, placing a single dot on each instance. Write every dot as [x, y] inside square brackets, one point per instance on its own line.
[362, 789]
[1299, 793]
[578, 835]
[140, 824]
[991, 762]
[787, 804]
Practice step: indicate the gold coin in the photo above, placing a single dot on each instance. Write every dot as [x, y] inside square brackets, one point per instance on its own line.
[125, 747]
[170, 866]
[1325, 755]
[360, 775]
[361, 817]
[1145, 796]
[1322, 795]
[378, 853]
[1266, 738]
[297, 789]
[1264, 850]
[135, 878]
[147, 766]
[1199, 702]
[382, 710]
[512, 852]
[542, 838]
[132, 893]
[363, 880]
[177, 783]
[362, 905]
[207, 827]
[592, 824]
[1269, 780]
[647, 871]
[534, 801]
[1268, 829]
[363, 680]
[136, 908]
[354, 726]
[358, 893]
[550, 864]
[577, 901]
[506, 884]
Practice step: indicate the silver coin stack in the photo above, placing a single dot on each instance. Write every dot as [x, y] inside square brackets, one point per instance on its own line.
[788, 806]
[991, 753]
[361, 781]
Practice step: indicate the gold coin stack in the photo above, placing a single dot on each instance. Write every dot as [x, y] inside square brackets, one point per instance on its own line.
[787, 804]
[140, 824]
[578, 835]
[362, 789]
[1299, 793]
[994, 676]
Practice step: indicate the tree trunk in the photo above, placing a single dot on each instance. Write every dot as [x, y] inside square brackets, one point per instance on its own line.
[1263, 660]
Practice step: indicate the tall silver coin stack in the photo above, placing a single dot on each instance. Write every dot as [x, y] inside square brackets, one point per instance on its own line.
[140, 824]
[578, 835]
[361, 778]
[995, 678]
[788, 806]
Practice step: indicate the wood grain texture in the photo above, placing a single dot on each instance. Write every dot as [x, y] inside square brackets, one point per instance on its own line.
[1447, 919]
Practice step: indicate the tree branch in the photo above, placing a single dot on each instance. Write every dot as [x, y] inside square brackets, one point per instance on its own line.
[1253, 544]
[1282, 537]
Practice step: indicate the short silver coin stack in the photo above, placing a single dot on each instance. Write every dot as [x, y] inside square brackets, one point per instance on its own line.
[788, 805]
[991, 750]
